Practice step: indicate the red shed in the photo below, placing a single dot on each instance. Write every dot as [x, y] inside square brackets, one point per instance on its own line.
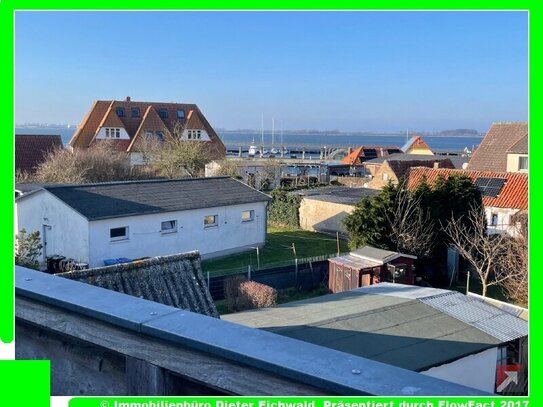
[368, 266]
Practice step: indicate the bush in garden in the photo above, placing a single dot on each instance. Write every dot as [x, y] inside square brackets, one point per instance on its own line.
[257, 295]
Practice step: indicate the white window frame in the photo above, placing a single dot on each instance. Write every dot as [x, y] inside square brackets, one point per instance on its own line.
[211, 225]
[251, 217]
[168, 230]
[119, 238]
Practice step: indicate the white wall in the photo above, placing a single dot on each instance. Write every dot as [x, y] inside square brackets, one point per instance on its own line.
[102, 134]
[477, 371]
[203, 135]
[145, 238]
[504, 220]
[69, 232]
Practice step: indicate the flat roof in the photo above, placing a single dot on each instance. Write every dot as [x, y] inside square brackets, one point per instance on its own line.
[396, 330]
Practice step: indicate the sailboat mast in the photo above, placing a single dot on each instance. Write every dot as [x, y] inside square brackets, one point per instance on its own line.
[273, 131]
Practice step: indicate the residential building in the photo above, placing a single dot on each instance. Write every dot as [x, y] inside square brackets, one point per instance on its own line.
[32, 149]
[517, 156]
[393, 169]
[367, 266]
[416, 145]
[505, 194]
[438, 333]
[502, 140]
[127, 125]
[364, 153]
[92, 223]
[324, 209]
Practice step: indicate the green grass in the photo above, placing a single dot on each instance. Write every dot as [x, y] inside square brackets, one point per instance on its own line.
[278, 249]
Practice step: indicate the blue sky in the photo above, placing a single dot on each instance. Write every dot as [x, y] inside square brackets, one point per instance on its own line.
[351, 71]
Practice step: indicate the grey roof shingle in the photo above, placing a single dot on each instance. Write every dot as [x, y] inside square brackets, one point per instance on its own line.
[408, 157]
[520, 147]
[340, 195]
[133, 198]
[175, 280]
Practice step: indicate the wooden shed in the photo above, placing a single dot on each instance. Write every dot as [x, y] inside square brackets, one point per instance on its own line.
[367, 266]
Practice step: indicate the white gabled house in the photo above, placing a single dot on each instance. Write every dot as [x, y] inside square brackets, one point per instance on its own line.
[91, 223]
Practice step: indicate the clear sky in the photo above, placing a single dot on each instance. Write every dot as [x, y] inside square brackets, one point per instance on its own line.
[351, 71]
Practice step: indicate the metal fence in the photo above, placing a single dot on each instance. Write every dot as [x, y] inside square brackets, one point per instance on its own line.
[302, 274]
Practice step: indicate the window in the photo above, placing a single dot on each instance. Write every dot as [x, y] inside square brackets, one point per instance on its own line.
[523, 163]
[120, 111]
[248, 216]
[163, 113]
[211, 220]
[135, 111]
[160, 135]
[198, 134]
[116, 234]
[149, 134]
[180, 114]
[168, 226]
[112, 132]
[385, 176]
[494, 219]
[189, 134]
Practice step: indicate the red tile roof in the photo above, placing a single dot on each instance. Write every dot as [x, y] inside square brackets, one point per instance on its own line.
[355, 157]
[491, 155]
[514, 193]
[31, 150]
[105, 113]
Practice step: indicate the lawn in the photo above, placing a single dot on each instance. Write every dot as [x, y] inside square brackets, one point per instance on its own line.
[278, 250]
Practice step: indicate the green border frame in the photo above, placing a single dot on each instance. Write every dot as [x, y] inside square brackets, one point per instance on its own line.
[14, 374]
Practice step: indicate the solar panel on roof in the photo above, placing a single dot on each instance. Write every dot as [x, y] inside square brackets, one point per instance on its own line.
[370, 153]
[490, 186]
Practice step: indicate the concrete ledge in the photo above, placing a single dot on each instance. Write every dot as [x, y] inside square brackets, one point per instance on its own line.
[332, 371]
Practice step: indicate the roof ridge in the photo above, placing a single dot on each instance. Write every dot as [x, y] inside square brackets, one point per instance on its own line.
[136, 182]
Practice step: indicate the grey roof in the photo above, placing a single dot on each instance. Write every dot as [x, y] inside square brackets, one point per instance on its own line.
[356, 262]
[399, 331]
[118, 199]
[373, 253]
[408, 157]
[341, 195]
[175, 280]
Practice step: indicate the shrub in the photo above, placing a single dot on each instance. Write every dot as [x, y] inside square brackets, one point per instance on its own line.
[258, 295]
[231, 291]
[284, 209]
[28, 249]
[241, 294]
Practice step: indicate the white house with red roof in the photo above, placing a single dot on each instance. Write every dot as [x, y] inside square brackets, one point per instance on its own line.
[504, 194]
[123, 123]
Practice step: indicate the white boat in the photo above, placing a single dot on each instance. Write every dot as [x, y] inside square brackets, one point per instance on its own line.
[253, 149]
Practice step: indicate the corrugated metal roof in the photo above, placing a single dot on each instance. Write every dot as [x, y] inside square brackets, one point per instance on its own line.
[356, 262]
[489, 319]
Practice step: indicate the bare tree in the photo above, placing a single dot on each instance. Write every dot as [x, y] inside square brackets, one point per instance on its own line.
[514, 264]
[484, 252]
[227, 168]
[411, 227]
[269, 173]
[99, 163]
[175, 156]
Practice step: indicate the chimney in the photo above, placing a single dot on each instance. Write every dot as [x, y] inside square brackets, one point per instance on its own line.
[436, 164]
[350, 150]
[128, 98]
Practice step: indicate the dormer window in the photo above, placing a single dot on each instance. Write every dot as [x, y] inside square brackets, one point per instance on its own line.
[135, 111]
[120, 111]
[180, 114]
[163, 113]
[160, 135]
[112, 132]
